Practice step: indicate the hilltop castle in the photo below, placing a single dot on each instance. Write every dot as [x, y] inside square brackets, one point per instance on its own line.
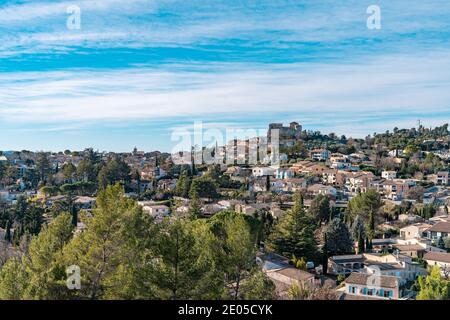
[287, 135]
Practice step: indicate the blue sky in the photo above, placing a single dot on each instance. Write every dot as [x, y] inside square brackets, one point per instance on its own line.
[138, 69]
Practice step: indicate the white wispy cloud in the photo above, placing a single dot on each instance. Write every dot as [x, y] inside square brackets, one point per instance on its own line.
[31, 10]
[394, 84]
[40, 26]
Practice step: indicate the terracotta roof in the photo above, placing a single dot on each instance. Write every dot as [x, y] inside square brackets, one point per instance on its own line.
[367, 279]
[441, 227]
[437, 256]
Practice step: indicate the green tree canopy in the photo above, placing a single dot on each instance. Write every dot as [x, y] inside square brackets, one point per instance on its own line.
[294, 234]
[320, 208]
[205, 187]
[433, 286]
[339, 240]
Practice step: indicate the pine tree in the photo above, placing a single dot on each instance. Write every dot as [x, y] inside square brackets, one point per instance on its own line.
[338, 237]
[236, 236]
[320, 208]
[13, 280]
[38, 274]
[185, 267]
[294, 234]
[194, 206]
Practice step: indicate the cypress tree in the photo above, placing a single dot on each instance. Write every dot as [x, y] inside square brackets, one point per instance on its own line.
[325, 254]
[8, 231]
[360, 243]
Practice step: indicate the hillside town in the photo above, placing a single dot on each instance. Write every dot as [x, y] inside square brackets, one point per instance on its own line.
[338, 218]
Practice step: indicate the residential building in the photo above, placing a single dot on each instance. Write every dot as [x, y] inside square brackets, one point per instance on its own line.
[283, 275]
[317, 189]
[440, 178]
[389, 175]
[438, 230]
[359, 182]
[260, 184]
[396, 153]
[284, 173]
[414, 231]
[263, 171]
[155, 210]
[440, 259]
[288, 185]
[400, 266]
[374, 286]
[333, 177]
[396, 189]
[319, 154]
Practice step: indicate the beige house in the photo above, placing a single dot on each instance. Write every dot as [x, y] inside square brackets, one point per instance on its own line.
[333, 177]
[308, 167]
[414, 231]
[288, 185]
[286, 277]
[317, 189]
[411, 250]
[361, 181]
[440, 259]
[440, 229]
[282, 274]
[290, 276]
[153, 209]
[395, 189]
[400, 266]
[372, 286]
[440, 178]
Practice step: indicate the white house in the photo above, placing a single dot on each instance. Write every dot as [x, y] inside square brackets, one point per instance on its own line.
[320, 154]
[284, 173]
[263, 171]
[396, 153]
[317, 189]
[155, 210]
[389, 175]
